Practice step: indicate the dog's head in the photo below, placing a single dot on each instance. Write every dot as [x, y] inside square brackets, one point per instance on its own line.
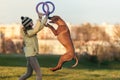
[54, 19]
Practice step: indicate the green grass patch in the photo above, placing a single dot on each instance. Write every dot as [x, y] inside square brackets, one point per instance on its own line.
[13, 66]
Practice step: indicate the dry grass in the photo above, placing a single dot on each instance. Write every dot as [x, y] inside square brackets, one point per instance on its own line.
[12, 66]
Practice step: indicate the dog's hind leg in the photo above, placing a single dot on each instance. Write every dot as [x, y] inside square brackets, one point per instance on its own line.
[64, 58]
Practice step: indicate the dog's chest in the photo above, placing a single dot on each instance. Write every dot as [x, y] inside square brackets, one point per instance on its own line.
[61, 28]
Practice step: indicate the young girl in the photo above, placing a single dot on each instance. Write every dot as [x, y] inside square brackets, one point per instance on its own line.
[31, 45]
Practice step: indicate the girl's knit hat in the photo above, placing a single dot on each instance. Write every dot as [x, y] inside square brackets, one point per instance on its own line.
[26, 21]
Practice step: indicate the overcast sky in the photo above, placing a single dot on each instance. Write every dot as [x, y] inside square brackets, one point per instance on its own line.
[72, 11]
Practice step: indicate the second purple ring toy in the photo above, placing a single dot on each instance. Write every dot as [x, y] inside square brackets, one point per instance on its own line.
[45, 7]
[42, 3]
[53, 7]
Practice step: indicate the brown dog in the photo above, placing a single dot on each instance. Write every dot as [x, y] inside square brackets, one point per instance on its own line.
[63, 35]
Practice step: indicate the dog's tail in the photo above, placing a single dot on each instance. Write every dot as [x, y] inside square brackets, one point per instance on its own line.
[76, 61]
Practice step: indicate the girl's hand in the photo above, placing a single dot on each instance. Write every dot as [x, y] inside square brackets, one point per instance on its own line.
[40, 16]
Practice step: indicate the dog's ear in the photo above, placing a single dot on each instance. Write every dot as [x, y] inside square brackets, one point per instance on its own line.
[55, 18]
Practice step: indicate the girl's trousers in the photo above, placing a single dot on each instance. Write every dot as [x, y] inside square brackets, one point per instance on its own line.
[32, 64]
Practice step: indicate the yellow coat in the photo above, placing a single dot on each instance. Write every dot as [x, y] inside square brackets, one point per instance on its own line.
[30, 40]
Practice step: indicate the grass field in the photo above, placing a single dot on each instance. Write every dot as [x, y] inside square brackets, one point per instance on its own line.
[12, 66]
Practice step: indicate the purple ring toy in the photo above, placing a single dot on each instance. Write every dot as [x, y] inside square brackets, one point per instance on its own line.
[42, 3]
